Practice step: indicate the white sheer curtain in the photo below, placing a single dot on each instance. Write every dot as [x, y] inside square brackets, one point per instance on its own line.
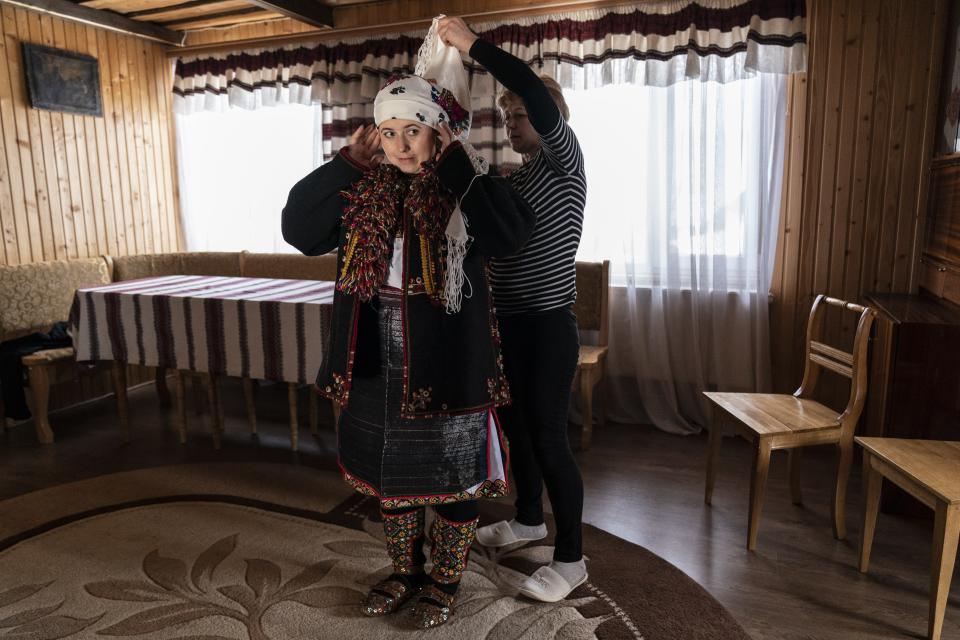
[683, 199]
[236, 167]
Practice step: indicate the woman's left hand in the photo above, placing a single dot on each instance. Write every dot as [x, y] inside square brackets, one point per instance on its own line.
[446, 138]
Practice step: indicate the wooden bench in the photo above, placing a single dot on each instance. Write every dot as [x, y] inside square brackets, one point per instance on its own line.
[929, 470]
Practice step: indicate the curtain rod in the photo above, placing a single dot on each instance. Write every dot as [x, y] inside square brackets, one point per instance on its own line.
[407, 25]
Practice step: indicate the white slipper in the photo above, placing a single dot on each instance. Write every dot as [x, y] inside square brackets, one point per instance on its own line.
[547, 585]
[501, 534]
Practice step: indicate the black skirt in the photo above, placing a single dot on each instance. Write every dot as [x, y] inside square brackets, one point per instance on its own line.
[413, 462]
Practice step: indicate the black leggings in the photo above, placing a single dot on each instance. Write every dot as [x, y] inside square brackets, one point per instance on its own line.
[540, 353]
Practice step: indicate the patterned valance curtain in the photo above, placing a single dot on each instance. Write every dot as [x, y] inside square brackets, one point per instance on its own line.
[650, 43]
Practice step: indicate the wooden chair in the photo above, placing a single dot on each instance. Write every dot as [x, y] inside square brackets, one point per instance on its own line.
[297, 267]
[779, 421]
[930, 471]
[593, 300]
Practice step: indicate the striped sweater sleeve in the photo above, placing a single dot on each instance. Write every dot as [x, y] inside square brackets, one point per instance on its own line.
[559, 144]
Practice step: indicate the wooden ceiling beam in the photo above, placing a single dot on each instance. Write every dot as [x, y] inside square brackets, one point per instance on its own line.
[395, 17]
[104, 19]
[308, 11]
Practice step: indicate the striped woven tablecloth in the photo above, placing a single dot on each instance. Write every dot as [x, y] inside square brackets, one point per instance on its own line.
[261, 328]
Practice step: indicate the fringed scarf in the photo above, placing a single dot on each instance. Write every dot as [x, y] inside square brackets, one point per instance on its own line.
[374, 211]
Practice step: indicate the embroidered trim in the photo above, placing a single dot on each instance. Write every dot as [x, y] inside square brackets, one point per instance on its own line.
[450, 549]
[489, 489]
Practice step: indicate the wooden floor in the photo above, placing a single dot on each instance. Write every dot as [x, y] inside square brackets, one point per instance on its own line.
[641, 484]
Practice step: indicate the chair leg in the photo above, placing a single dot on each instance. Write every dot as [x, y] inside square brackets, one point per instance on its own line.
[713, 453]
[294, 425]
[758, 484]
[197, 385]
[872, 481]
[180, 403]
[601, 404]
[838, 508]
[40, 390]
[336, 414]
[251, 406]
[586, 405]
[163, 391]
[794, 456]
[118, 371]
[213, 392]
[946, 531]
[313, 412]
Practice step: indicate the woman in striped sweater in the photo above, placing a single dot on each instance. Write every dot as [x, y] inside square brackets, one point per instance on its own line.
[533, 291]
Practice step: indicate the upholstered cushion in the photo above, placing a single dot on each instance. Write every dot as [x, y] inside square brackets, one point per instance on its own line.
[290, 265]
[48, 356]
[206, 263]
[37, 295]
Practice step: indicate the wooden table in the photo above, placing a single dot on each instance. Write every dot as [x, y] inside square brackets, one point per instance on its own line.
[251, 328]
[930, 471]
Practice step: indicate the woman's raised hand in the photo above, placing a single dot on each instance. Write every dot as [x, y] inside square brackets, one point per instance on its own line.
[364, 144]
[456, 33]
[446, 137]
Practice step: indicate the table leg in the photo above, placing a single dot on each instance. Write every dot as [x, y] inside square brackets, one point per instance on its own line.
[118, 372]
[946, 532]
[294, 425]
[872, 481]
[181, 406]
[313, 412]
[213, 391]
[163, 392]
[251, 406]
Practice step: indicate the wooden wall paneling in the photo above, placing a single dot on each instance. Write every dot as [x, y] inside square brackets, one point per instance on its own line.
[888, 263]
[125, 210]
[90, 158]
[68, 167]
[82, 153]
[9, 164]
[151, 141]
[163, 83]
[861, 150]
[111, 172]
[135, 79]
[27, 213]
[39, 151]
[51, 127]
[788, 241]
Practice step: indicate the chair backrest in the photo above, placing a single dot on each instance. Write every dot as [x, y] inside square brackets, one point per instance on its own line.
[289, 265]
[37, 295]
[593, 298]
[202, 263]
[819, 356]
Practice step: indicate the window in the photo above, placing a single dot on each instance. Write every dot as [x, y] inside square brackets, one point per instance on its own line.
[236, 168]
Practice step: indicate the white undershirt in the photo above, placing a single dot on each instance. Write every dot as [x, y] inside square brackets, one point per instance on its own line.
[395, 277]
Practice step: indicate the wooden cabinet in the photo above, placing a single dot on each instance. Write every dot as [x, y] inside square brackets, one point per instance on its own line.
[914, 387]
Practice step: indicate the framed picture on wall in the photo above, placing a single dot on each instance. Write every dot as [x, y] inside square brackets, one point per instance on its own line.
[61, 80]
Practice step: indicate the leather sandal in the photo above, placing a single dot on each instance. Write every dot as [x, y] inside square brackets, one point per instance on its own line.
[433, 607]
[387, 596]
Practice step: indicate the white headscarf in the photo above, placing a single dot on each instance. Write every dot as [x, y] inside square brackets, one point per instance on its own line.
[438, 93]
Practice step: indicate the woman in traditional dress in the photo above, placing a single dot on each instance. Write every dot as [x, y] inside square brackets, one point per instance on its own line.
[413, 359]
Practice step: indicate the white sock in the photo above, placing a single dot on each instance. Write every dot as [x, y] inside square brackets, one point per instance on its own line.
[526, 531]
[572, 572]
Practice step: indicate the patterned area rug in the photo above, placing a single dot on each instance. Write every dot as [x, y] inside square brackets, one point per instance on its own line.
[278, 552]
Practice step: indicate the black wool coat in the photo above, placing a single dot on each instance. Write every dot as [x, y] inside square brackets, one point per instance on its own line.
[452, 361]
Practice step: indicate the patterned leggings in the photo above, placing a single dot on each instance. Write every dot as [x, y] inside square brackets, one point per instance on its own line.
[451, 535]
